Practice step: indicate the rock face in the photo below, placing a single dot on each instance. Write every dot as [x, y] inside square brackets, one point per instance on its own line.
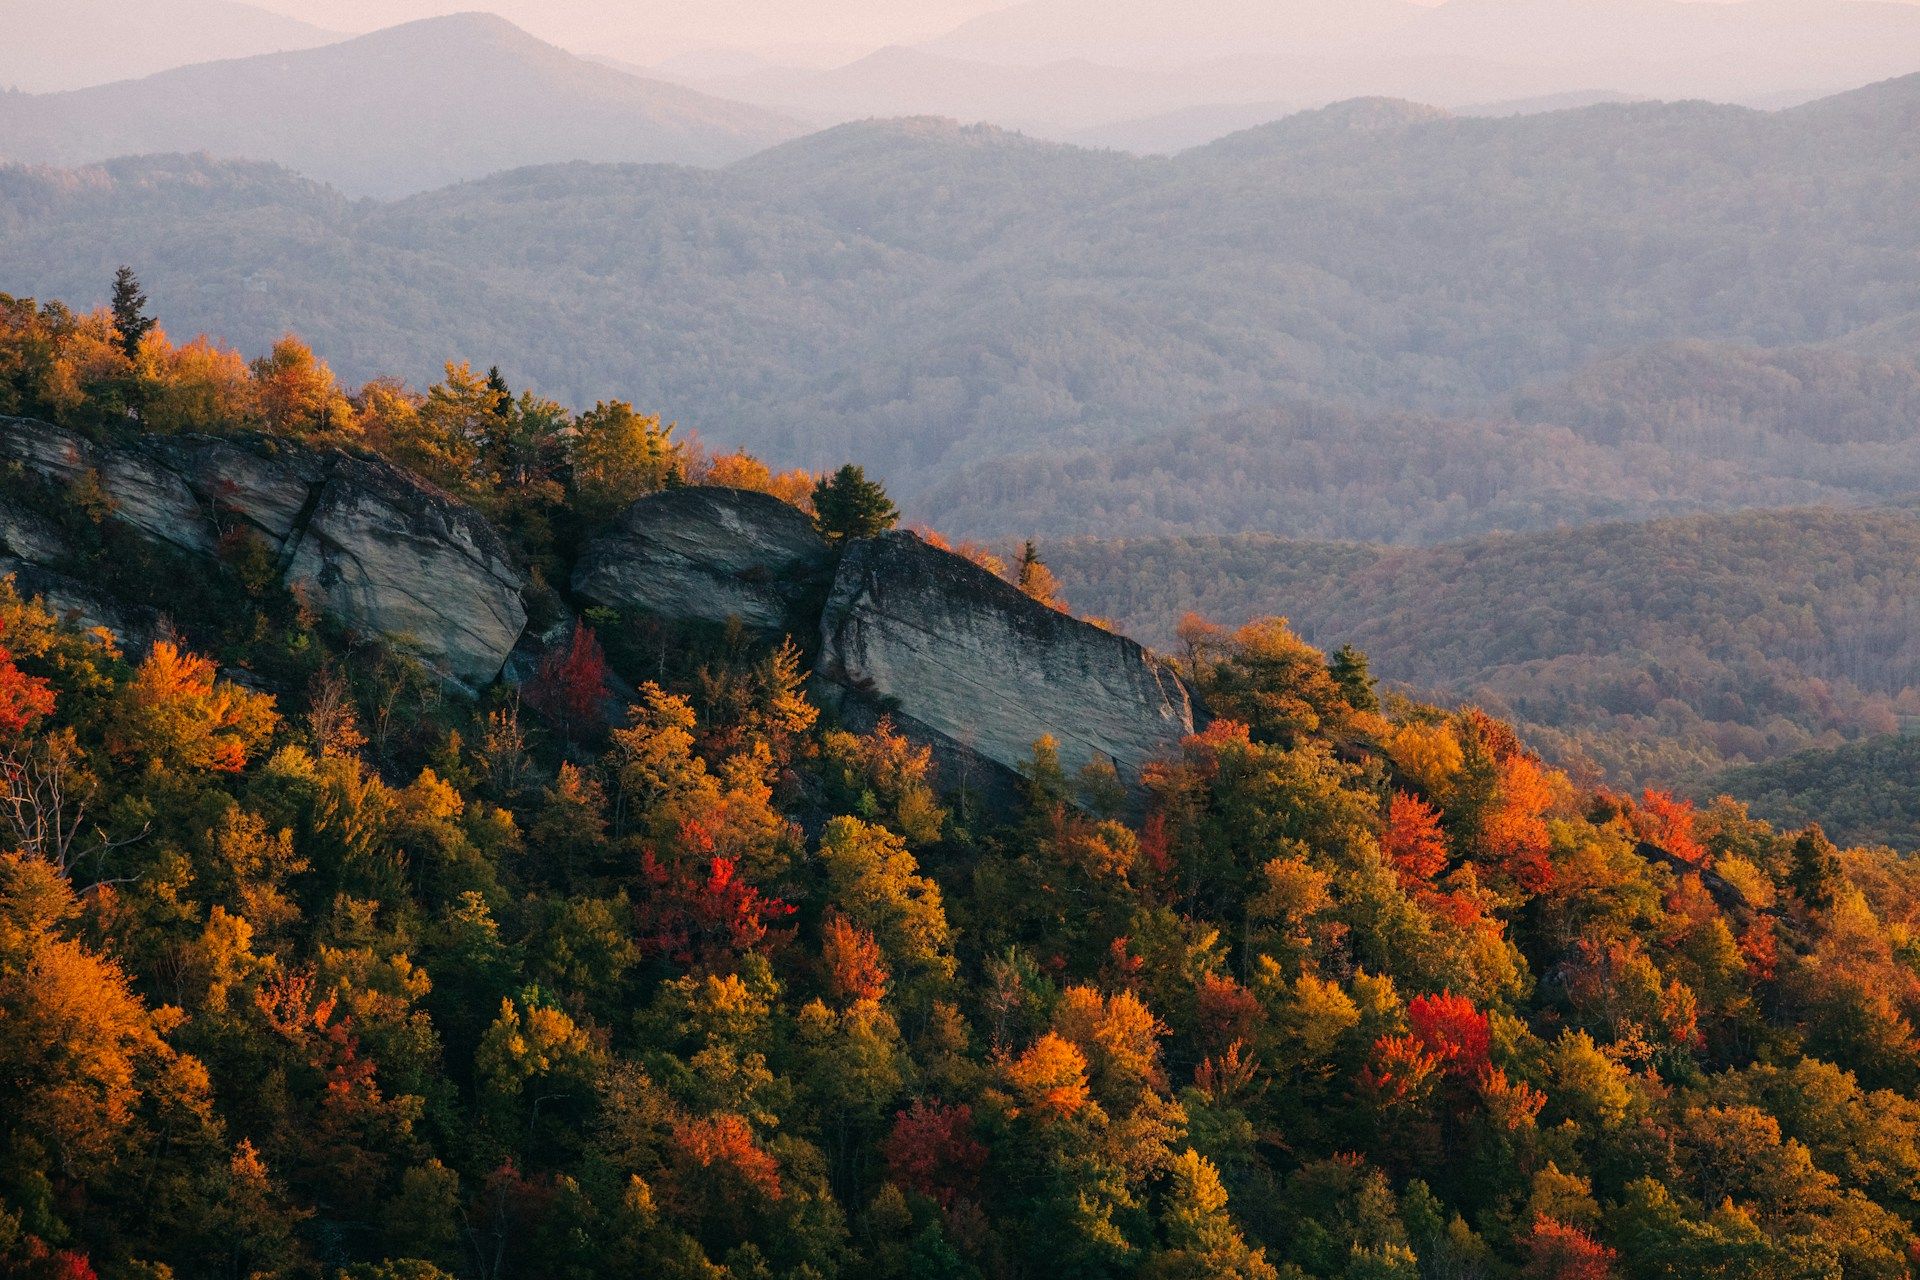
[708, 555]
[960, 659]
[368, 543]
[967, 661]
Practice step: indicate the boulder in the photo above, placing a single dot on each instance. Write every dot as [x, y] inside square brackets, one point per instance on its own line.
[708, 555]
[368, 543]
[967, 661]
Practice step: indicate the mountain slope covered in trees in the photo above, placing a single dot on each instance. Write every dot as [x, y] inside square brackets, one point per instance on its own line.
[1864, 792]
[930, 297]
[347, 976]
[1656, 431]
[1659, 652]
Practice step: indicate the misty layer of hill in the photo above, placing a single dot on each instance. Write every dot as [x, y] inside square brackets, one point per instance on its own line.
[51, 45]
[1496, 48]
[927, 297]
[1659, 651]
[403, 110]
[1151, 77]
[1672, 429]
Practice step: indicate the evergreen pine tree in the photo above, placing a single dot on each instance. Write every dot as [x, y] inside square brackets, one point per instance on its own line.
[847, 505]
[130, 318]
[1349, 671]
[1814, 871]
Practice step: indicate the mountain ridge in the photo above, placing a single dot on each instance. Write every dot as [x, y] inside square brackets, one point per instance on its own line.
[405, 109]
[935, 297]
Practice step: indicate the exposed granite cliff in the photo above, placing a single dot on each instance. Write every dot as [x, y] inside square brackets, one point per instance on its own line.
[959, 658]
[367, 542]
[966, 660]
[709, 555]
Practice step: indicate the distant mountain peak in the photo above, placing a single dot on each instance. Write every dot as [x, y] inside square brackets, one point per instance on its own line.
[404, 109]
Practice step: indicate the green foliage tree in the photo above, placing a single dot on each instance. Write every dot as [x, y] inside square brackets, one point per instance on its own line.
[847, 505]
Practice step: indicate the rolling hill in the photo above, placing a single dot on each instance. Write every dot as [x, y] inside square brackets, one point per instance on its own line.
[929, 298]
[1653, 652]
[1863, 793]
[1318, 51]
[1661, 430]
[402, 110]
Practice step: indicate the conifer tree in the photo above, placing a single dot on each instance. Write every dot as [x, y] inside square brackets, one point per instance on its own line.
[1349, 670]
[130, 319]
[1814, 872]
[1036, 579]
[847, 505]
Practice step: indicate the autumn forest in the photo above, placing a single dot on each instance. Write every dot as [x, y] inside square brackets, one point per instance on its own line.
[644, 960]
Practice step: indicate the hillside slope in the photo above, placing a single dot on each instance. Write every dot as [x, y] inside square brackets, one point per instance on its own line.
[1862, 793]
[1659, 651]
[403, 110]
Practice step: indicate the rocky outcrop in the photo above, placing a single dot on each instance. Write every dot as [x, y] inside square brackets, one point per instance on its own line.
[708, 555]
[963, 659]
[957, 657]
[365, 541]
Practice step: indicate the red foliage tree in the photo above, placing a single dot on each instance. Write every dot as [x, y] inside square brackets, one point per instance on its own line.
[720, 1173]
[1225, 1013]
[1556, 1251]
[1401, 1071]
[23, 698]
[1455, 1033]
[34, 1260]
[1413, 841]
[1156, 850]
[569, 687]
[1760, 950]
[698, 915]
[1668, 823]
[932, 1151]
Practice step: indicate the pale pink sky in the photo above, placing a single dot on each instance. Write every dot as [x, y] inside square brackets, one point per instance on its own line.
[822, 32]
[648, 30]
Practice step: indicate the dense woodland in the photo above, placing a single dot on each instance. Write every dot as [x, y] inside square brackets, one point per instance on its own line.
[1657, 652]
[1865, 792]
[312, 968]
[929, 298]
[1665, 430]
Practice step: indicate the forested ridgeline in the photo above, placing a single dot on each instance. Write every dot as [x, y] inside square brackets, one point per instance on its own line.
[927, 297]
[1666, 430]
[1868, 791]
[1656, 652]
[313, 967]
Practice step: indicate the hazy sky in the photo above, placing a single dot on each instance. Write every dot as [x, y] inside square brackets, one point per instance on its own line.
[821, 32]
[648, 30]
